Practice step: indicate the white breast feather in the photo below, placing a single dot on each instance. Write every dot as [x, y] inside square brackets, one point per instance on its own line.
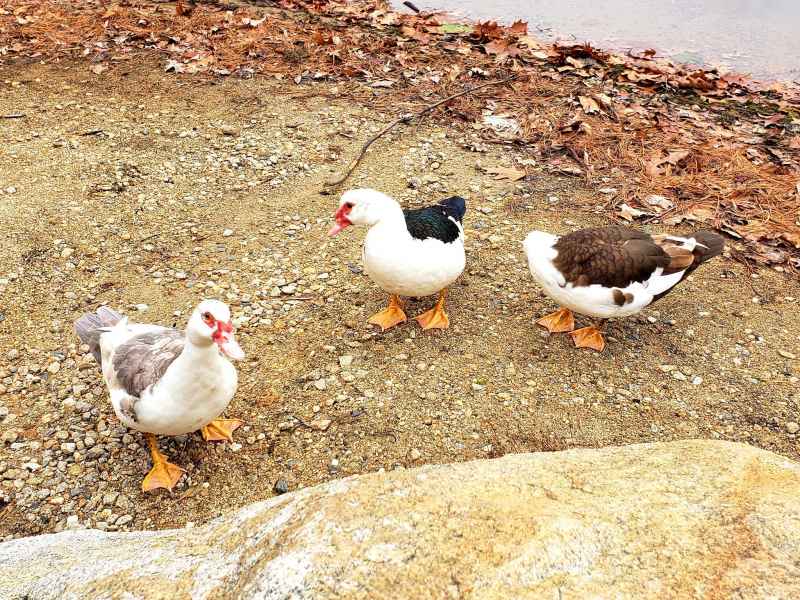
[407, 266]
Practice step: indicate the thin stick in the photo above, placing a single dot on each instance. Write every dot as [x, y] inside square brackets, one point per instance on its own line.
[336, 180]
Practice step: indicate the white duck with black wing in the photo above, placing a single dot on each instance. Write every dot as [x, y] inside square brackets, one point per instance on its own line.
[407, 253]
[610, 272]
[165, 381]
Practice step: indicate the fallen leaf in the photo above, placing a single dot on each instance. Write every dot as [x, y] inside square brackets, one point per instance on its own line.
[415, 34]
[694, 215]
[487, 30]
[659, 201]
[655, 167]
[530, 42]
[511, 174]
[792, 237]
[629, 213]
[519, 28]
[174, 66]
[253, 22]
[604, 101]
[589, 105]
[454, 28]
[496, 47]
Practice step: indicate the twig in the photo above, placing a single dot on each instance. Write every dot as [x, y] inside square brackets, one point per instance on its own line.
[336, 180]
[411, 6]
[13, 116]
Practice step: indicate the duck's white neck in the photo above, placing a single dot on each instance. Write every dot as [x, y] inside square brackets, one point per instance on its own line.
[196, 357]
[392, 223]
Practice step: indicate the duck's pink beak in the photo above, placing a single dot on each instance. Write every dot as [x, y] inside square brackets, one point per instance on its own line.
[226, 341]
[341, 219]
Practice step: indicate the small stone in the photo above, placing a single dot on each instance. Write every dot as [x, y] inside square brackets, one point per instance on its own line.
[786, 354]
[321, 384]
[68, 447]
[415, 454]
[142, 307]
[54, 368]
[12, 354]
[345, 361]
[124, 520]
[229, 130]
[281, 486]
[73, 522]
[792, 427]
[227, 233]
[321, 424]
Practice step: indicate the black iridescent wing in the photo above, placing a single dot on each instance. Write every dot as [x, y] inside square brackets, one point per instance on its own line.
[437, 221]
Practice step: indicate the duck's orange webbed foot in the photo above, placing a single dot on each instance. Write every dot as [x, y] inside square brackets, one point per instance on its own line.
[391, 315]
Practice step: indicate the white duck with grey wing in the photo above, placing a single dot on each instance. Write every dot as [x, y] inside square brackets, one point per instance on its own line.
[200, 384]
[195, 388]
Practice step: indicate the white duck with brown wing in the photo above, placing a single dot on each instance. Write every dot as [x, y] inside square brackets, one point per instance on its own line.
[610, 272]
[164, 381]
[407, 252]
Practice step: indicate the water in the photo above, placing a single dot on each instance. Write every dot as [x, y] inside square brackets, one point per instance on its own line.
[759, 37]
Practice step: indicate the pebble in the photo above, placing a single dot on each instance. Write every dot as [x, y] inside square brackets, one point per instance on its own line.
[281, 486]
[415, 454]
[227, 233]
[792, 427]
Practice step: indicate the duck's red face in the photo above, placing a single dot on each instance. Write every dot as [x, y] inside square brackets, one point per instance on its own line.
[341, 218]
[222, 334]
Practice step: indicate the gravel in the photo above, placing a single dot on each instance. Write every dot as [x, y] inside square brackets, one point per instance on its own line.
[208, 191]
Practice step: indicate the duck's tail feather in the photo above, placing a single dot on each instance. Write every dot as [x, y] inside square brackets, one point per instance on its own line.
[703, 245]
[92, 325]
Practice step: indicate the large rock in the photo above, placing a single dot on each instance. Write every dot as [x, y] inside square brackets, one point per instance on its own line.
[696, 519]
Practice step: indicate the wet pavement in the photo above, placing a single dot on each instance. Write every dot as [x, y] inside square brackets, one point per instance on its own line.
[759, 37]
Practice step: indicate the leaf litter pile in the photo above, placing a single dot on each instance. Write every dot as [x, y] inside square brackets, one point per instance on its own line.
[653, 141]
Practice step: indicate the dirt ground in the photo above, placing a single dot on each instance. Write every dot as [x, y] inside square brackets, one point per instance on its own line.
[149, 189]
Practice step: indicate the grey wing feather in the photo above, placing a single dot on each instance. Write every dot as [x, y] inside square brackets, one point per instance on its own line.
[142, 360]
[92, 325]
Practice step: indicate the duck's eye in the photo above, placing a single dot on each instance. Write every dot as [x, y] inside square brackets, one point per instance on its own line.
[348, 204]
[208, 318]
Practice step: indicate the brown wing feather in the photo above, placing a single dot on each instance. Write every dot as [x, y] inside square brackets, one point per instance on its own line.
[610, 256]
[680, 259]
[142, 360]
